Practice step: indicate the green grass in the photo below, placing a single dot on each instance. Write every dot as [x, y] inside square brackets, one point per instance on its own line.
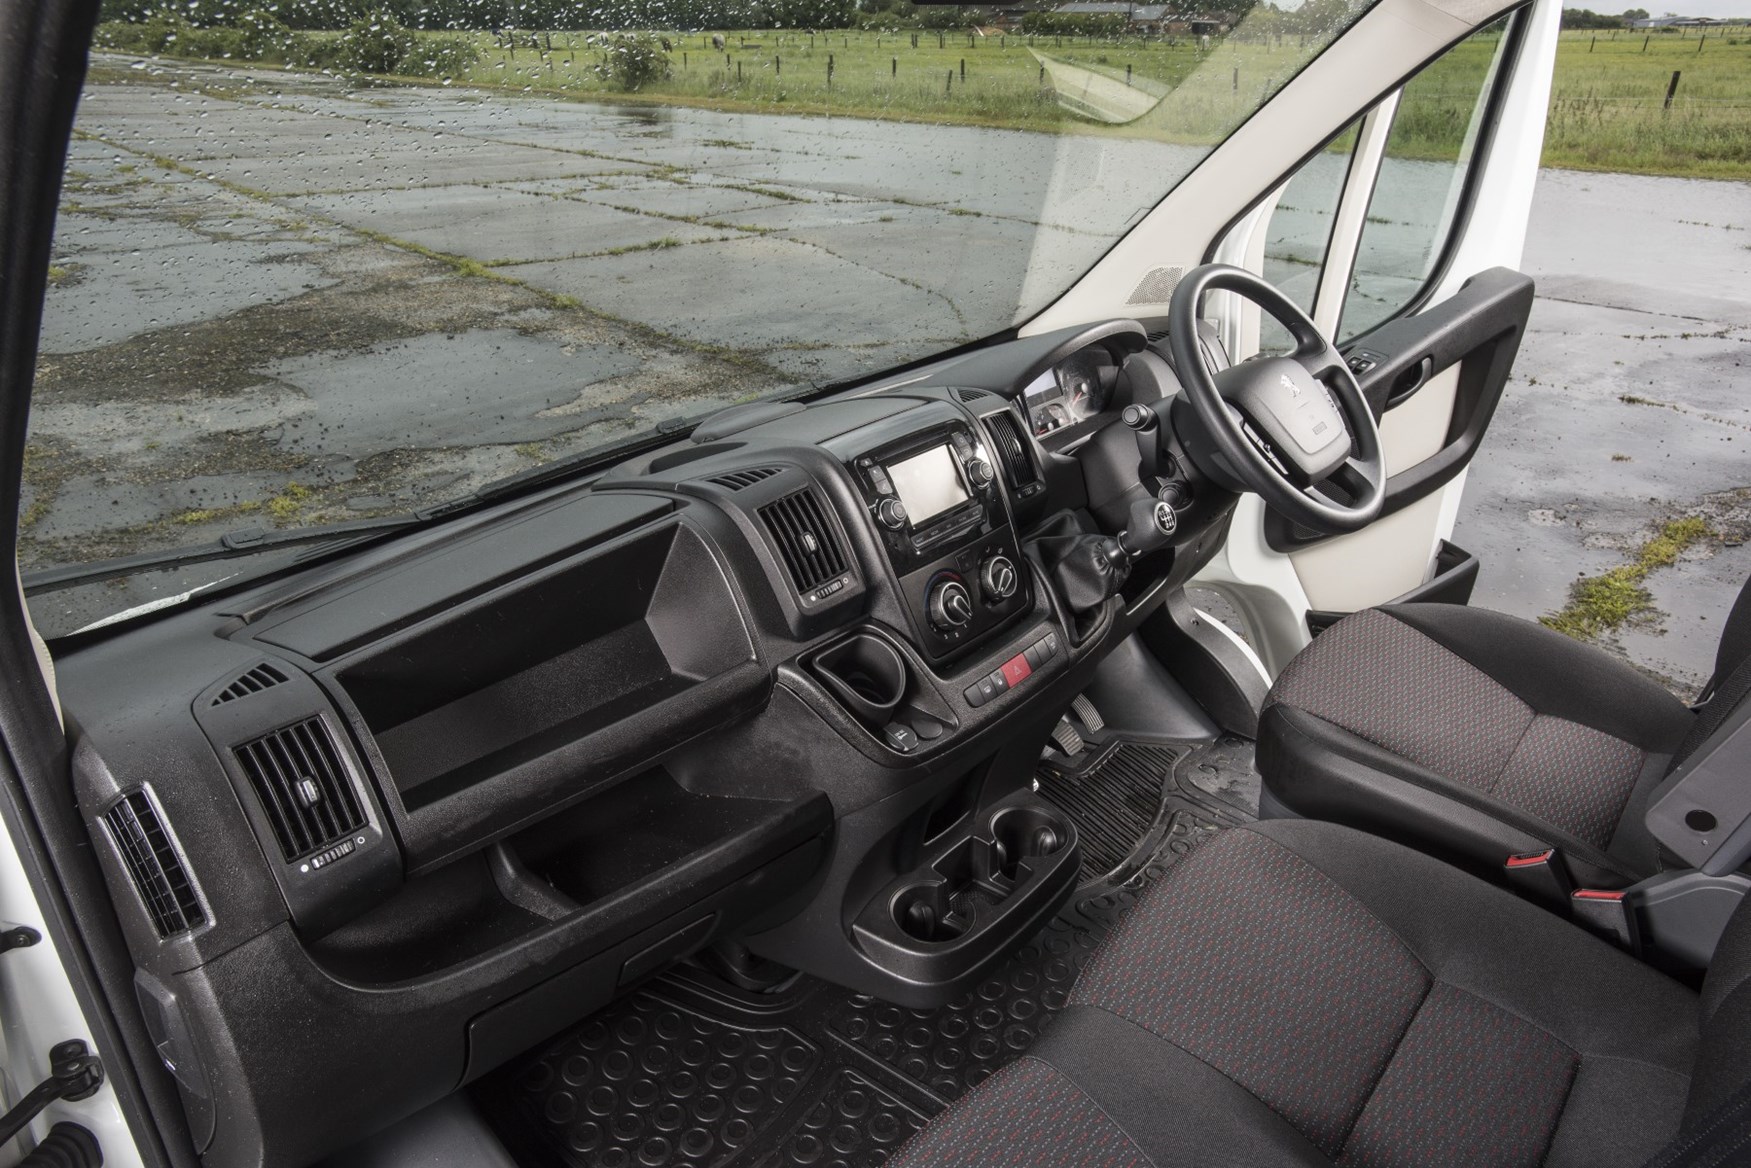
[1604, 603]
[1606, 111]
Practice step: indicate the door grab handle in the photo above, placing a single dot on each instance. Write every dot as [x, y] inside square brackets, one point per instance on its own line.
[1411, 380]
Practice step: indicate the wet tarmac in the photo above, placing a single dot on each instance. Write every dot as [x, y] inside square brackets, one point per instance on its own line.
[1630, 405]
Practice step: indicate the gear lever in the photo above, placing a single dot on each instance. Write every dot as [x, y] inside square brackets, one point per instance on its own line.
[1093, 567]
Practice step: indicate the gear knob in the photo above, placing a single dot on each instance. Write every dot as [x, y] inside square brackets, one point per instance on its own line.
[1152, 525]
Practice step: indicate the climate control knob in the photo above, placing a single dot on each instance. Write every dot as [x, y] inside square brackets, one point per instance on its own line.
[949, 605]
[980, 472]
[998, 579]
[891, 514]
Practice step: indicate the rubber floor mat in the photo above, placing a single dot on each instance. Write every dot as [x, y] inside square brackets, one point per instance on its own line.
[690, 1071]
[1123, 807]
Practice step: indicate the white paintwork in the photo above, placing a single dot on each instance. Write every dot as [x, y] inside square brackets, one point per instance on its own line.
[37, 1010]
[1352, 214]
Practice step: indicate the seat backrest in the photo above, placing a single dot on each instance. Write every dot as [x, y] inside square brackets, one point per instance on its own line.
[1723, 1063]
[1731, 682]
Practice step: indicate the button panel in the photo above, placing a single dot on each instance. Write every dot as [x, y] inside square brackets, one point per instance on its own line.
[1012, 672]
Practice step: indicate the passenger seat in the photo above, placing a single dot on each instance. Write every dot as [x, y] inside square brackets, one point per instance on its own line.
[1301, 993]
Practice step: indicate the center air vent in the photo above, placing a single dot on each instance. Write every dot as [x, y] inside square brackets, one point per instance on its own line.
[262, 677]
[805, 540]
[1012, 450]
[152, 861]
[735, 480]
[973, 395]
[303, 787]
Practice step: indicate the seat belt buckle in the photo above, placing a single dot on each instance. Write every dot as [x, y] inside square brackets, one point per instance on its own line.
[1607, 913]
[1541, 877]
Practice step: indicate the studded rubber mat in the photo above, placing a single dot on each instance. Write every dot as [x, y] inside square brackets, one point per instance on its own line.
[1122, 807]
[689, 1071]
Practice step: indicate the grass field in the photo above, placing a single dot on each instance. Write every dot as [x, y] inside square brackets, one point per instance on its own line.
[1608, 106]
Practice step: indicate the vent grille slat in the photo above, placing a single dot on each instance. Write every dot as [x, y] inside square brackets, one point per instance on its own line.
[736, 480]
[154, 864]
[804, 539]
[263, 676]
[302, 786]
[1012, 451]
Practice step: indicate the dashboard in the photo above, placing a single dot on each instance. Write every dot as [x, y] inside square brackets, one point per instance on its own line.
[376, 825]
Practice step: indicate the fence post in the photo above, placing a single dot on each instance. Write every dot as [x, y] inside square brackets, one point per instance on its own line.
[949, 85]
[1645, 41]
[963, 70]
[1127, 74]
[894, 71]
[1672, 89]
[777, 65]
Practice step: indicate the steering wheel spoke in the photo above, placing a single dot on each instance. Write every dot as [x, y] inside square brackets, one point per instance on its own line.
[1355, 477]
[1284, 426]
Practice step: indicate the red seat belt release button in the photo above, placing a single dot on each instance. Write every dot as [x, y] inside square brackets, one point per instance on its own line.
[1541, 877]
[1608, 913]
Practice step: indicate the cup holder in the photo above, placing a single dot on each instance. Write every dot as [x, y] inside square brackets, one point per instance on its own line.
[1020, 834]
[974, 880]
[867, 674]
[925, 912]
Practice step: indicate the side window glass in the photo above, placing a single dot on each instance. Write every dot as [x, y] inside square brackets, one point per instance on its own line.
[1298, 235]
[1422, 177]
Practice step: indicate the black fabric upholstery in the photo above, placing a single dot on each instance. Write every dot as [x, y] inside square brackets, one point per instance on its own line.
[1427, 721]
[1301, 993]
[1321, 771]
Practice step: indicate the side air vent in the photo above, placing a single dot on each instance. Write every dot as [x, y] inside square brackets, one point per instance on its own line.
[263, 676]
[1012, 451]
[805, 540]
[154, 864]
[303, 787]
[973, 395]
[738, 479]
[1156, 286]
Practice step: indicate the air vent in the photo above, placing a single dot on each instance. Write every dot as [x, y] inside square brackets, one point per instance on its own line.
[973, 395]
[1012, 450]
[154, 864]
[263, 676]
[303, 787]
[805, 540]
[738, 479]
[1157, 285]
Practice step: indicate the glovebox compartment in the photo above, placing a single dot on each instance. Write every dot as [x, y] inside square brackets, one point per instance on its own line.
[532, 696]
[569, 653]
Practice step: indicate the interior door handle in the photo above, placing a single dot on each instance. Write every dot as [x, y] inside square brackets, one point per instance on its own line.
[1411, 380]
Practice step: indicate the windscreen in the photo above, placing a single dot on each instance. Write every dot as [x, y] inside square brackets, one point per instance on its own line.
[321, 261]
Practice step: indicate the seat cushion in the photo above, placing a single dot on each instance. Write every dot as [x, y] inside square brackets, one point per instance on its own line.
[1474, 736]
[1301, 993]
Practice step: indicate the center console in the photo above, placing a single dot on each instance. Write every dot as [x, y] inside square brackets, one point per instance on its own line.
[938, 505]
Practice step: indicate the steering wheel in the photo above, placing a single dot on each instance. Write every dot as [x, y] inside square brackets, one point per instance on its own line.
[1284, 426]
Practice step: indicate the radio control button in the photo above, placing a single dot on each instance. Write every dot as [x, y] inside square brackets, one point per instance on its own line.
[980, 472]
[891, 514]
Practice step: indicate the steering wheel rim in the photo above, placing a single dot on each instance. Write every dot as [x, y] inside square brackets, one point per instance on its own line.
[1276, 463]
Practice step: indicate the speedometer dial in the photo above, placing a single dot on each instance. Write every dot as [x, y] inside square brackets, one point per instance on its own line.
[1079, 379]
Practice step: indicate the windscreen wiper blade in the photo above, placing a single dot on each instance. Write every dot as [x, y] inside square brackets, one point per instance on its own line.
[232, 545]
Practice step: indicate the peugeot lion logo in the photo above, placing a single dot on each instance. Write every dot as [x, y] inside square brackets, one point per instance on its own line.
[1289, 384]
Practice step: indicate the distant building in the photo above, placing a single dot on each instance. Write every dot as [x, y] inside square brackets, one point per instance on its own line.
[1151, 18]
[1677, 22]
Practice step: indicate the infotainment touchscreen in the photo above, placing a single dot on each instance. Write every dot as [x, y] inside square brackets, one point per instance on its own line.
[928, 484]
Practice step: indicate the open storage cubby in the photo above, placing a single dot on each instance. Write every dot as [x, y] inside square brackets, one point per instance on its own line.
[979, 893]
[625, 859]
[574, 650]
